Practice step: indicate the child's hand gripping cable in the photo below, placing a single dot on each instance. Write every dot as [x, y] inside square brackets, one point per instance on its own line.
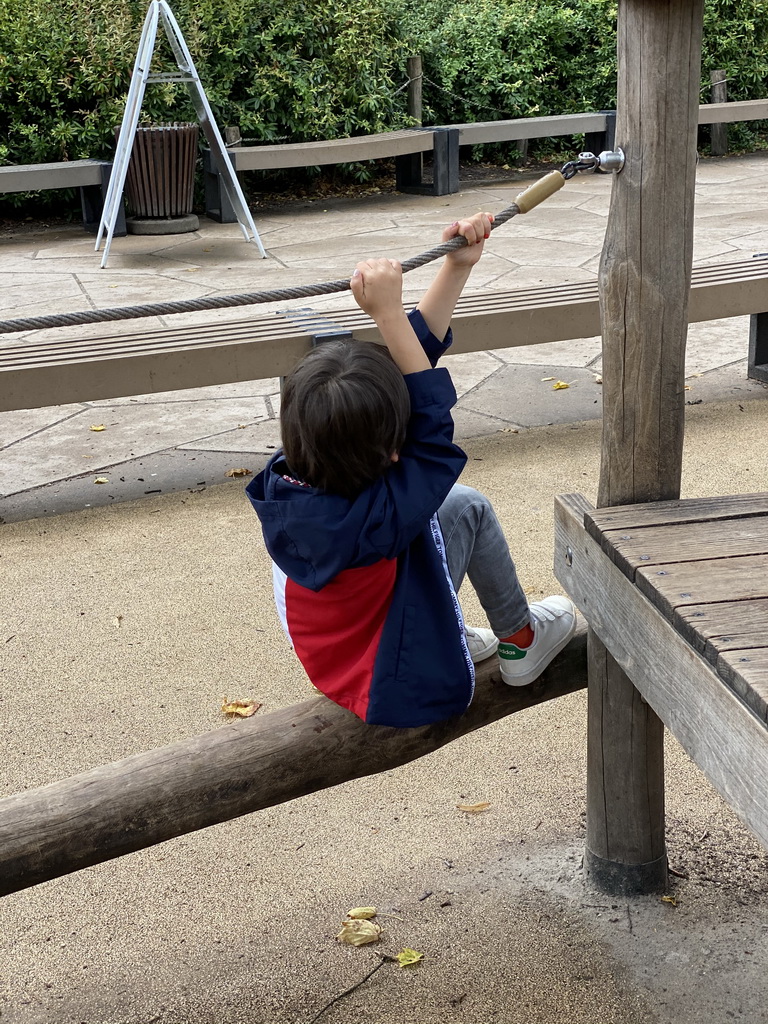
[377, 286]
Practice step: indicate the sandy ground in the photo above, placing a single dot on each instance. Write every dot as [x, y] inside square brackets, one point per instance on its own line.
[236, 924]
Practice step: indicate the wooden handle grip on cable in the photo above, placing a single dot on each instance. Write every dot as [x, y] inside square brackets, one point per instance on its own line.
[539, 191]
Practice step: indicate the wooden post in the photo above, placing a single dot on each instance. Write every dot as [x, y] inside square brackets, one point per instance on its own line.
[415, 82]
[644, 282]
[718, 145]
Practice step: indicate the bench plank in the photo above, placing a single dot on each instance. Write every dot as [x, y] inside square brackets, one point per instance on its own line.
[737, 110]
[333, 151]
[725, 626]
[479, 132]
[66, 174]
[687, 510]
[653, 546]
[746, 672]
[35, 374]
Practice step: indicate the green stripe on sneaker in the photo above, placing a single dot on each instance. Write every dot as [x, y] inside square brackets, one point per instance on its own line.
[509, 652]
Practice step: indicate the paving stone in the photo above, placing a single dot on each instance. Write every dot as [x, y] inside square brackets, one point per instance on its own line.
[70, 448]
[520, 395]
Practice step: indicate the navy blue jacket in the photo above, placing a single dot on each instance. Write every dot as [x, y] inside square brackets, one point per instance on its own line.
[362, 585]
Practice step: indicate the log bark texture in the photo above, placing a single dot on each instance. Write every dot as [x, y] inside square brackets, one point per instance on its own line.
[243, 767]
[645, 277]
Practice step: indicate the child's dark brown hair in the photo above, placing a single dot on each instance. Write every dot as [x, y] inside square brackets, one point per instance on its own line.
[344, 413]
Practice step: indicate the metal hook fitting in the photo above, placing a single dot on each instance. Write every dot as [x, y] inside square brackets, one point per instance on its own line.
[609, 161]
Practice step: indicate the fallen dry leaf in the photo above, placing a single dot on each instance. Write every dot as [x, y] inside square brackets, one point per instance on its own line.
[547, 378]
[359, 933]
[241, 708]
[560, 385]
[407, 956]
[101, 480]
[97, 426]
[669, 899]
[598, 380]
[473, 808]
[238, 472]
[362, 913]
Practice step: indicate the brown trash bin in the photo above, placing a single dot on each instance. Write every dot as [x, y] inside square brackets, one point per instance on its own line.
[161, 172]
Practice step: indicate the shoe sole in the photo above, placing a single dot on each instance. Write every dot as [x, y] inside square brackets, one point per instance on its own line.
[526, 680]
[485, 654]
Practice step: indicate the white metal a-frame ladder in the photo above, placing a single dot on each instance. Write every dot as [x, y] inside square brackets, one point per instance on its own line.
[159, 11]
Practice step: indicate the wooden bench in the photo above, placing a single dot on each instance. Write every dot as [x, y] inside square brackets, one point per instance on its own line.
[68, 369]
[687, 620]
[407, 147]
[443, 141]
[90, 176]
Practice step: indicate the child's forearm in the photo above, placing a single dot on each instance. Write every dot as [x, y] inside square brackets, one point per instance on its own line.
[441, 297]
[404, 347]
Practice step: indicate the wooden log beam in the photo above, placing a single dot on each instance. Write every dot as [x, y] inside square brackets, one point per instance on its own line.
[243, 767]
[645, 277]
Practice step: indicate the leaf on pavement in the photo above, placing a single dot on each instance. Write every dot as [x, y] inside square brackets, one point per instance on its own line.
[362, 913]
[474, 808]
[241, 708]
[359, 933]
[407, 956]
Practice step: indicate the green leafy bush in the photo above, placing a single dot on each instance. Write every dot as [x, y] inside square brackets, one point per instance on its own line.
[492, 59]
[285, 70]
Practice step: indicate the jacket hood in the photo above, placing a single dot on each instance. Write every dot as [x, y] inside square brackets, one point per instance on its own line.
[312, 540]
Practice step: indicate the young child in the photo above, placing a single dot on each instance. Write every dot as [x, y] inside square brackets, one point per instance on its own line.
[369, 533]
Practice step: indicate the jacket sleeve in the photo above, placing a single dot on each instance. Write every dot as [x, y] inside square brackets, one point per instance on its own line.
[403, 501]
[432, 347]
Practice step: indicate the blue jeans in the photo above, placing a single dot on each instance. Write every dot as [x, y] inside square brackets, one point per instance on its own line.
[476, 547]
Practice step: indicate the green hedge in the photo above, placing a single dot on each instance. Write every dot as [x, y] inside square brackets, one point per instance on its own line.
[289, 70]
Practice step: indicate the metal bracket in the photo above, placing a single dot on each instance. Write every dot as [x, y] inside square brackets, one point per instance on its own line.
[609, 162]
[331, 335]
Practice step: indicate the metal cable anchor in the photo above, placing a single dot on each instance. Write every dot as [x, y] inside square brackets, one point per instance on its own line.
[609, 162]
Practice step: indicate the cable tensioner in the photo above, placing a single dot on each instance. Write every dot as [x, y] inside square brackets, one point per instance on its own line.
[608, 162]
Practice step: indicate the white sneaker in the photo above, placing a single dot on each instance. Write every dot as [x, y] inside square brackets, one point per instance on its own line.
[554, 623]
[481, 643]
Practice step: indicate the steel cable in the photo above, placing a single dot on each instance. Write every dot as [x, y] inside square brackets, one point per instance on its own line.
[95, 316]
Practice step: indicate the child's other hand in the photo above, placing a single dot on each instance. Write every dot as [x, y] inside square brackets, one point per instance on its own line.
[475, 229]
[377, 286]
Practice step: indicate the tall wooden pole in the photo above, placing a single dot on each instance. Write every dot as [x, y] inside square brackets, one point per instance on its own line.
[644, 282]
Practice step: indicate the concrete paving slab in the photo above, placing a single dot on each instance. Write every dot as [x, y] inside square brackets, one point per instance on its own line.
[537, 252]
[252, 438]
[62, 449]
[752, 242]
[136, 290]
[14, 426]
[579, 352]
[526, 394]
[716, 343]
[532, 276]
[244, 389]
[17, 292]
